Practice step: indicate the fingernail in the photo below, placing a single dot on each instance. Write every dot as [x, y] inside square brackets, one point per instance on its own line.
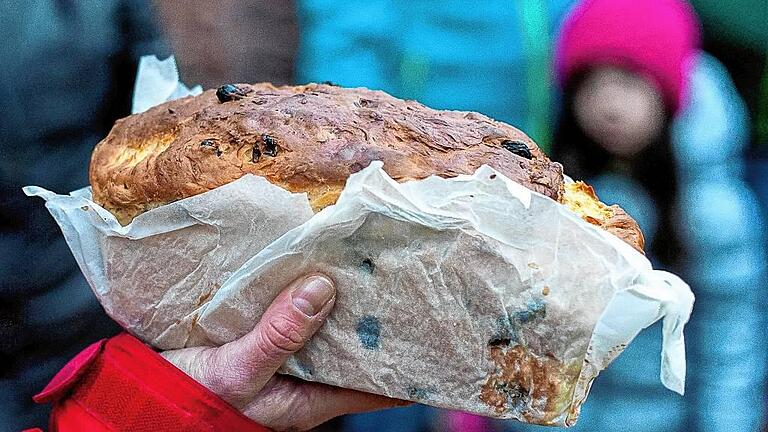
[313, 294]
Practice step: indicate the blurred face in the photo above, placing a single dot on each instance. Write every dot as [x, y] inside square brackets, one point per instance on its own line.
[619, 110]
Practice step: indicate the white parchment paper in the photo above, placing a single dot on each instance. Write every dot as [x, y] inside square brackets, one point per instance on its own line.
[445, 286]
[158, 82]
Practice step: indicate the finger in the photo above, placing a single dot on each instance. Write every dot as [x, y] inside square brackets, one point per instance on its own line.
[327, 402]
[242, 367]
[292, 404]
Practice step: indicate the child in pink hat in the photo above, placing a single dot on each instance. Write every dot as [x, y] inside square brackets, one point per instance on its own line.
[626, 65]
[653, 38]
[656, 126]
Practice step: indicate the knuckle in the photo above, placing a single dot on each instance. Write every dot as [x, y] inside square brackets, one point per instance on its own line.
[282, 335]
[225, 376]
[231, 386]
[215, 381]
[283, 408]
[208, 374]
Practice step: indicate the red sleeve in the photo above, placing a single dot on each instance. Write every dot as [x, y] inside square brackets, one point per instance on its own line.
[120, 384]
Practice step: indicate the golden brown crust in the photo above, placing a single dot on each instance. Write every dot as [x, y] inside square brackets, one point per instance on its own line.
[322, 134]
[624, 227]
[581, 199]
[305, 139]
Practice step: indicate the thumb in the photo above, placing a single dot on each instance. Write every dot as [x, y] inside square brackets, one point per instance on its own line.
[239, 369]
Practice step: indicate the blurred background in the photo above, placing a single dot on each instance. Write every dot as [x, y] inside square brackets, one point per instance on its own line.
[661, 105]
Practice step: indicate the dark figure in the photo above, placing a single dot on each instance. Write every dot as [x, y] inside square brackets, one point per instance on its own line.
[67, 74]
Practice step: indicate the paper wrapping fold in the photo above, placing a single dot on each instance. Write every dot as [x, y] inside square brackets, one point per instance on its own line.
[156, 82]
[471, 293]
[435, 277]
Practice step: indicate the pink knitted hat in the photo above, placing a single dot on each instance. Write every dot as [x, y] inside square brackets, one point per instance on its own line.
[653, 37]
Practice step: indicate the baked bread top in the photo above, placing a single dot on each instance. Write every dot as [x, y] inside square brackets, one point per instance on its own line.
[310, 139]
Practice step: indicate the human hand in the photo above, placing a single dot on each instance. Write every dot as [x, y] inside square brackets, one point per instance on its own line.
[242, 372]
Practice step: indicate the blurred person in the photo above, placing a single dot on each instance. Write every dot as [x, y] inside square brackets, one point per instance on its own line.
[122, 384]
[68, 72]
[657, 127]
[734, 32]
[229, 41]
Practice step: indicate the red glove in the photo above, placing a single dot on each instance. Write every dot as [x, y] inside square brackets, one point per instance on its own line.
[120, 384]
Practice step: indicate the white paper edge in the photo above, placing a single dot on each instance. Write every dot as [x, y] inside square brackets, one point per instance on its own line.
[157, 81]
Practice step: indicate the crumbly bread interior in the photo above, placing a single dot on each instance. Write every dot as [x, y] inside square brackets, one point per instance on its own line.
[580, 198]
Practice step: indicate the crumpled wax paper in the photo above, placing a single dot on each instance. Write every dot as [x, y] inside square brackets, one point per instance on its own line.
[158, 82]
[471, 293]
